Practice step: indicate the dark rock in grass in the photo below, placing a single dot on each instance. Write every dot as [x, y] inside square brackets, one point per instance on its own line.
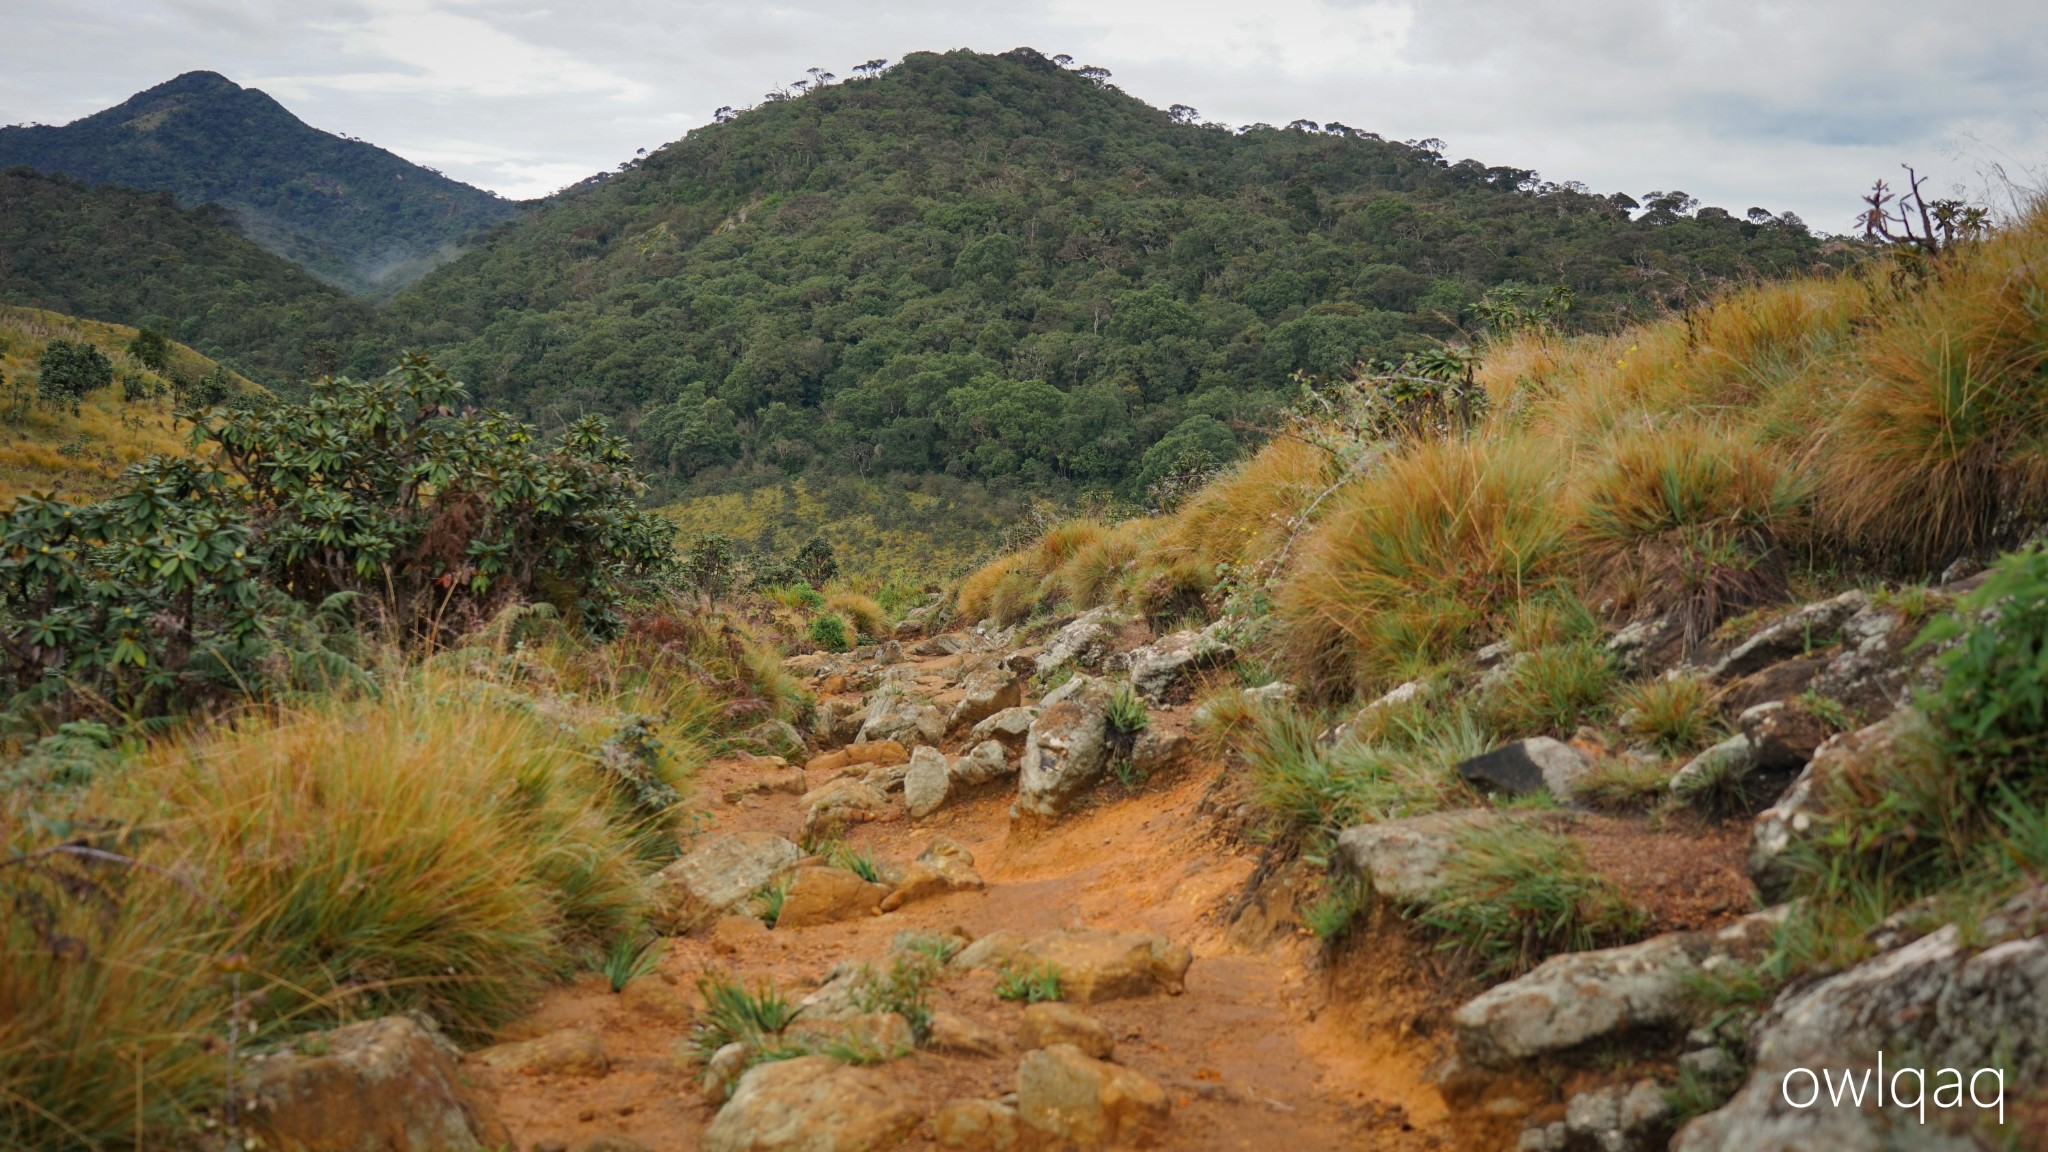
[1527, 767]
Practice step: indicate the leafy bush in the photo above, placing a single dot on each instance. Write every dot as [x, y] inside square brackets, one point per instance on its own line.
[1515, 893]
[1990, 709]
[152, 349]
[816, 563]
[69, 371]
[861, 612]
[830, 633]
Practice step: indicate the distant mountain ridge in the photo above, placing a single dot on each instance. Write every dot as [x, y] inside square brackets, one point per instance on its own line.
[351, 212]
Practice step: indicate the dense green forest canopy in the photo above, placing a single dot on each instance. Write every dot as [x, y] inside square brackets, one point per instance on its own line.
[349, 211]
[1003, 269]
[129, 257]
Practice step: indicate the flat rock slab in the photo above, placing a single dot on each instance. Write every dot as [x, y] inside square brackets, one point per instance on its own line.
[570, 1052]
[1578, 997]
[718, 875]
[1096, 964]
[823, 895]
[1066, 1095]
[1404, 859]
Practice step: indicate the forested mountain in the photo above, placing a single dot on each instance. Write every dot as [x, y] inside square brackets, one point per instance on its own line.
[350, 211]
[1003, 269]
[128, 257]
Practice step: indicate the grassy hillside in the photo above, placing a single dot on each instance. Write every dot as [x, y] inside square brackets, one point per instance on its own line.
[46, 447]
[998, 269]
[136, 258]
[350, 212]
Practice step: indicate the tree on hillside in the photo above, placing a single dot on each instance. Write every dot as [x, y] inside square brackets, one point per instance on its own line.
[67, 372]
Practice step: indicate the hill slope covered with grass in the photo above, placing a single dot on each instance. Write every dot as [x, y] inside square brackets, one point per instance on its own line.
[1001, 269]
[349, 211]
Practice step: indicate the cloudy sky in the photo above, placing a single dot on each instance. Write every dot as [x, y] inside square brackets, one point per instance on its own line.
[1794, 104]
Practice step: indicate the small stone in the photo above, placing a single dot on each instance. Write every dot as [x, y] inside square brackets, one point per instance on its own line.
[840, 803]
[810, 1104]
[1008, 727]
[976, 1126]
[1066, 1095]
[570, 1052]
[984, 763]
[387, 1084]
[717, 875]
[824, 895]
[1046, 1024]
[1095, 964]
[954, 1033]
[944, 866]
[983, 694]
[723, 1069]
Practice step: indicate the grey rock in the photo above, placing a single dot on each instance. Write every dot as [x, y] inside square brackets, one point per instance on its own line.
[1619, 1118]
[1067, 748]
[926, 782]
[1799, 812]
[1404, 859]
[1728, 764]
[836, 723]
[985, 693]
[779, 737]
[985, 762]
[1942, 1001]
[1159, 749]
[1527, 767]
[718, 875]
[896, 715]
[1786, 733]
[1087, 643]
[1578, 997]
[1161, 670]
[1276, 692]
[1791, 634]
[1010, 726]
[946, 644]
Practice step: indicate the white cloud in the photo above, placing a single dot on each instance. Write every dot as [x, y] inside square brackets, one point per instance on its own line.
[1782, 105]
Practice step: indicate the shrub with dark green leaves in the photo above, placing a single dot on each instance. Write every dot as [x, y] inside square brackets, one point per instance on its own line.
[1990, 710]
[152, 349]
[434, 516]
[830, 633]
[68, 372]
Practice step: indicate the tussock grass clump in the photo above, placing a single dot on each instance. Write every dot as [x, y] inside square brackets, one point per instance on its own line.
[1243, 517]
[1096, 570]
[1935, 448]
[862, 612]
[1552, 690]
[1688, 517]
[1622, 784]
[1515, 893]
[1677, 715]
[1313, 791]
[1412, 560]
[441, 848]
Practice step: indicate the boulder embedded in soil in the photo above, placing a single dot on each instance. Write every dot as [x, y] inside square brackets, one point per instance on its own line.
[1050, 1023]
[982, 695]
[1096, 964]
[997, 950]
[1087, 643]
[1009, 727]
[926, 782]
[1065, 1095]
[1162, 670]
[878, 1035]
[1158, 749]
[1404, 859]
[954, 1033]
[1791, 634]
[810, 1104]
[386, 1085]
[1801, 811]
[944, 866]
[570, 1052]
[1067, 749]
[841, 803]
[825, 895]
[896, 715]
[836, 723]
[976, 1126]
[1577, 997]
[718, 875]
[1943, 1001]
[1618, 1118]
[1786, 733]
[984, 763]
[1527, 767]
